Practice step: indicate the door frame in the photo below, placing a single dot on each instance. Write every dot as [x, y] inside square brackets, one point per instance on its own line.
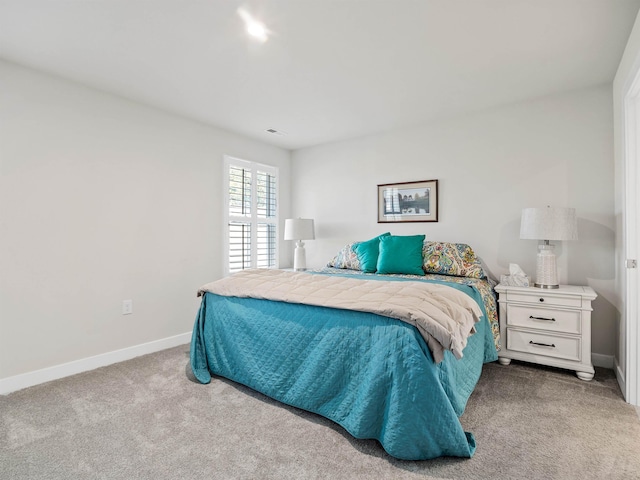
[631, 239]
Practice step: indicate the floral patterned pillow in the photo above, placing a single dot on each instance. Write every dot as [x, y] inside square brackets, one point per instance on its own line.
[457, 259]
[346, 258]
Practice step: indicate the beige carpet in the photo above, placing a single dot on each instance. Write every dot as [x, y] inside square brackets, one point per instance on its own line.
[146, 419]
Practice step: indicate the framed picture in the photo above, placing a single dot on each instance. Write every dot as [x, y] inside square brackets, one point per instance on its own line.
[408, 202]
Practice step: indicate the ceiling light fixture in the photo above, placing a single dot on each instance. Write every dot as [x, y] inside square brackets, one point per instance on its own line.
[255, 28]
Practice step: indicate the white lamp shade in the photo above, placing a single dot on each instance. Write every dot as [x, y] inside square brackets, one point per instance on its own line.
[549, 223]
[298, 229]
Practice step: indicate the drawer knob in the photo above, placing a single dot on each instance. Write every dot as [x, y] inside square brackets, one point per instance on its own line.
[542, 344]
[542, 318]
[542, 299]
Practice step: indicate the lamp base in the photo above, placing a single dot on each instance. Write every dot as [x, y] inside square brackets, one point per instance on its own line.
[546, 268]
[299, 257]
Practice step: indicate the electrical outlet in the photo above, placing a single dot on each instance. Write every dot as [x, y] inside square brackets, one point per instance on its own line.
[127, 307]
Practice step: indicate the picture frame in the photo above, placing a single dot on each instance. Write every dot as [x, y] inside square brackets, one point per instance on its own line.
[408, 202]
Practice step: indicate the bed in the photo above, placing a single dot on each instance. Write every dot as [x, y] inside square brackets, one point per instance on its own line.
[378, 377]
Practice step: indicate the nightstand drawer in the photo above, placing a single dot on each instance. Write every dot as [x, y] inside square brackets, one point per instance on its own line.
[544, 344]
[543, 299]
[567, 321]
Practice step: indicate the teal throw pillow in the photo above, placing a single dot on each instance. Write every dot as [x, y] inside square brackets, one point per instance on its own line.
[368, 253]
[401, 254]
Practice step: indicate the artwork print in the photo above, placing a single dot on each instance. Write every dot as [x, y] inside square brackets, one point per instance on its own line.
[408, 202]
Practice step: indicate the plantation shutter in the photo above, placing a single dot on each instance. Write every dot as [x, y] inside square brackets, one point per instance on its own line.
[251, 215]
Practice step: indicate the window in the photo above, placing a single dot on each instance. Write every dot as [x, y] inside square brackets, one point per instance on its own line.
[251, 212]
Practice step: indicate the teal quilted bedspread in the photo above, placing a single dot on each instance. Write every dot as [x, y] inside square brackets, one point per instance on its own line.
[372, 375]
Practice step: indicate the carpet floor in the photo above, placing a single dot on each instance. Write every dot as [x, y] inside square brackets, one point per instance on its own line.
[147, 419]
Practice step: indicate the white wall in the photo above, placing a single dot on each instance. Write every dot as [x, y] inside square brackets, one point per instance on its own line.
[103, 200]
[553, 151]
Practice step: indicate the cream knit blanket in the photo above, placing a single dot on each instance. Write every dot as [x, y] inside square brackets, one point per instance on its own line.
[444, 316]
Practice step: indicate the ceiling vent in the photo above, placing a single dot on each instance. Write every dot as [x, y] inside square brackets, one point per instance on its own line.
[275, 132]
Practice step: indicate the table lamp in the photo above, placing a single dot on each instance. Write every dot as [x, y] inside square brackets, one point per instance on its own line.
[299, 229]
[548, 223]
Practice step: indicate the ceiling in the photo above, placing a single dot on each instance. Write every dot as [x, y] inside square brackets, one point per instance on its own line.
[331, 69]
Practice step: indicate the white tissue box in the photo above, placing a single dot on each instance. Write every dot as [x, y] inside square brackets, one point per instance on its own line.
[514, 280]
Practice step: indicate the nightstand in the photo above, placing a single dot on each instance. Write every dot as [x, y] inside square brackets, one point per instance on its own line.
[548, 327]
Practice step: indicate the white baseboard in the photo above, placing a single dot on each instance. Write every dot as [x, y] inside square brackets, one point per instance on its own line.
[18, 382]
[604, 361]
